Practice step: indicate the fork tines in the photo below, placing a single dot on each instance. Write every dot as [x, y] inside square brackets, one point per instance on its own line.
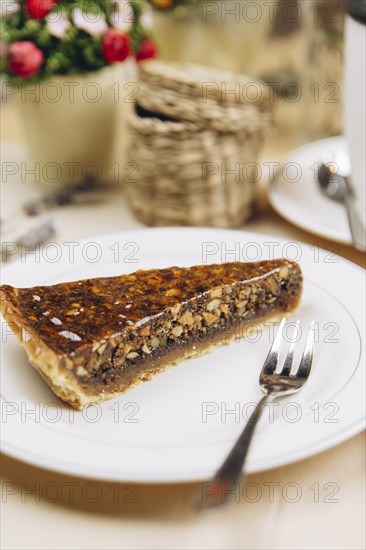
[271, 362]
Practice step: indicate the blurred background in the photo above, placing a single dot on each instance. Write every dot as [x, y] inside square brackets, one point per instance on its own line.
[103, 94]
[122, 114]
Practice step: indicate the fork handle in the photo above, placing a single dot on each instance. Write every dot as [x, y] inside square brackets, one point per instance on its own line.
[231, 469]
[225, 479]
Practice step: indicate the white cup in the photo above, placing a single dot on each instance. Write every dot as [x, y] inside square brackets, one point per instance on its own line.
[355, 104]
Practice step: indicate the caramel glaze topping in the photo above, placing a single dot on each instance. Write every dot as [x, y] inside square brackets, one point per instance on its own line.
[70, 316]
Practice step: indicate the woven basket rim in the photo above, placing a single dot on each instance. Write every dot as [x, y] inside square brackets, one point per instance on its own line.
[188, 78]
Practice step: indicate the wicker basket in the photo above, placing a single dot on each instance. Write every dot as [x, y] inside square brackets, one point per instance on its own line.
[195, 159]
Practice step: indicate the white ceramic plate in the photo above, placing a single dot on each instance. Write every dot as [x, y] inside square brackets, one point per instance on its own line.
[179, 426]
[295, 194]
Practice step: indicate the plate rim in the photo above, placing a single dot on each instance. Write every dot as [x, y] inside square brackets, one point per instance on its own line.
[77, 470]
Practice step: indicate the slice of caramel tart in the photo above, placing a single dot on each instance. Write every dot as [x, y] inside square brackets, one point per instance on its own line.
[93, 339]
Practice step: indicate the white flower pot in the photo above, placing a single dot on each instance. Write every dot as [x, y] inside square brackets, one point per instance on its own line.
[72, 125]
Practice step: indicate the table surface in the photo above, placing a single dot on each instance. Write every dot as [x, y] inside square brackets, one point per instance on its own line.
[42, 509]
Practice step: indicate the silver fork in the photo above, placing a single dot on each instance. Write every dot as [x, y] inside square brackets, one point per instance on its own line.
[273, 385]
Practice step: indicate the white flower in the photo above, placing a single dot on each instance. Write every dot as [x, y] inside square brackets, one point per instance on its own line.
[146, 19]
[57, 26]
[122, 17]
[92, 23]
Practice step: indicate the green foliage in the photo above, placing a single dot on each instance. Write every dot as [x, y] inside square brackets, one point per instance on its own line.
[75, 52]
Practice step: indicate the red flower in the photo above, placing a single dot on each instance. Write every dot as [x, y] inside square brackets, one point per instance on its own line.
[38, 9]
[147, 50]
[115, 45]
[25, 59]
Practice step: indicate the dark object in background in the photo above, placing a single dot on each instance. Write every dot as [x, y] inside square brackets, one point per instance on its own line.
[61, 197]
[357, 9]
[36, 236]
[284, 23]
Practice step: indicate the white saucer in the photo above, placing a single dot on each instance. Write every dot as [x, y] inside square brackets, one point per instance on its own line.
[295, 194]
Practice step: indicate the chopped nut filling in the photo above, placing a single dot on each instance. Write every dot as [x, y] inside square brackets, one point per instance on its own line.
[211, 313]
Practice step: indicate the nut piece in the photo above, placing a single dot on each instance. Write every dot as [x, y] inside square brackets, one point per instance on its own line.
[177, 331]
[209, 318]
[272, 285]
[213, 305]
[244, 293]
[175, 309]
[172, 292]
[283, 272]
[95, 346]
[81, 371]
[101, 349]
[145, 349]
[217, 293]
[126, 348]
[197, 319]
[132, 355]
[225, 309]
[155, 342]
[73, 312]
[186, 318]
